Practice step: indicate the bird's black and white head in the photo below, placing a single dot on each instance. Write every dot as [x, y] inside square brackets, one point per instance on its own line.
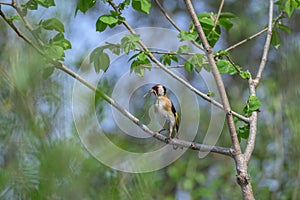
[157, 90]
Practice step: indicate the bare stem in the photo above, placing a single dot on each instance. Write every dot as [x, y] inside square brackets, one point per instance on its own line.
[167, 16]
[253, 36]
[6, 3]
[254, 83]
[266, 47]
[219, 13]
[169, 67]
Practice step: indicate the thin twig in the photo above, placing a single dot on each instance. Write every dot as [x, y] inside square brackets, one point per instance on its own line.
[27, 24]
[6, 3]
[167, 16]
[253, 84]
[253, 36]
[156, 52]
[171, 73]
[232, 63]
[246, 40]
[266, 47]
[11, 24]
[218, 15]
[156, 66]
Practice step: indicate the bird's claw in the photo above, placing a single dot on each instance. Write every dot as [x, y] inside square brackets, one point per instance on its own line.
[168, 139]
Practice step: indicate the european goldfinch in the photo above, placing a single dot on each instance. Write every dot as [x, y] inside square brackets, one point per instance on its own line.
[164, 106]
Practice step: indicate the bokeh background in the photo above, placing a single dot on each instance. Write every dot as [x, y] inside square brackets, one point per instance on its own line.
[42, 157]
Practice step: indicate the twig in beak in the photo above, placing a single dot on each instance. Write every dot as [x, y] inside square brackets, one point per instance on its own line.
[148, 93]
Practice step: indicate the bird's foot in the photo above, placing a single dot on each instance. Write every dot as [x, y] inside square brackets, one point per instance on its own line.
[168, 139]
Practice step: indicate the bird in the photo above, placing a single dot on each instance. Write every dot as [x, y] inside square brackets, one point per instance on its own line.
[165, 108]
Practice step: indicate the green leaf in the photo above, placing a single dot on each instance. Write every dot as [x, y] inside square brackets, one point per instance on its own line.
[211, 30]
[284, 28]
[280, 4]
[165, 59]
[100, 26]
[211, 94]
[48, 72]
[141, 6]
[100, 59]
[46, 3]
[116, 49]
[188, 66]
[223, 66]
[213, 37]
[290, 6]
[188, 184]
[130, 42]
[206, 67]
[227, 15]
[104, 21]
[275, 39]
[253, 104]
[183, 49]
[243, 132]
[103, 62]
[197, 61]
[55, 52]
[31, 5]
[186, 36]
[221, 53]
[207, 22]
[174, 58]
[226, 23]
[12, 18]
[60, 40]
[124, 4]
[108, 19]
[84, 5]
[137, 66]
[245, 75]
[53, 24]
[225, 20]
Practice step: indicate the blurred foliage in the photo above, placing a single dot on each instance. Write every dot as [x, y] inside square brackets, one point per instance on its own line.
[41, 156]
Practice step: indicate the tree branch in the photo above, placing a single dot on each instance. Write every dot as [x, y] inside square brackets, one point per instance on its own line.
[243, 177]
[266, 47]
[169, 67]
[175, 76]
[219, 13]
[6, 3]
[217, 76]
[253, 84]
[19, 33]
[253, 36]
[167, 16]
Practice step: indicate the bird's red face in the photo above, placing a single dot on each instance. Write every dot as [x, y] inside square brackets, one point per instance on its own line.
[157, 90]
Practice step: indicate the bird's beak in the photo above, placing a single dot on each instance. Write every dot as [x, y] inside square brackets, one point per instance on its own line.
[148, 93]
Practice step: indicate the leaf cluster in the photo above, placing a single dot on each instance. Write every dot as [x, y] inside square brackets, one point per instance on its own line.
[211, 27]
[252, 104]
